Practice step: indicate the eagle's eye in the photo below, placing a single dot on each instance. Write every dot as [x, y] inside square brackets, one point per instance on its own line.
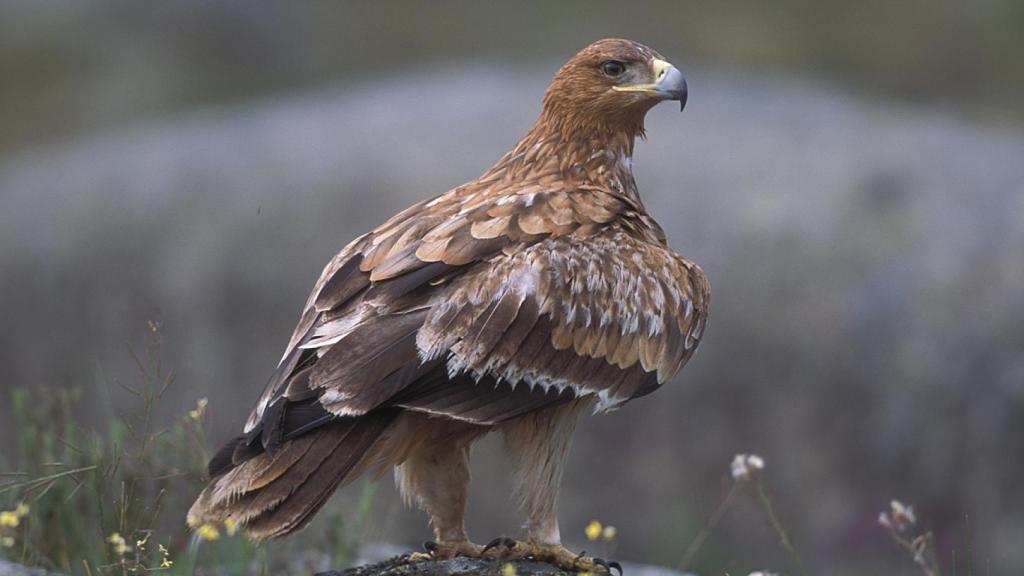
[613, 68]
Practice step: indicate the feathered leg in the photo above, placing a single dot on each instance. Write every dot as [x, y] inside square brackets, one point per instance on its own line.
[538, 444]
[436, 476]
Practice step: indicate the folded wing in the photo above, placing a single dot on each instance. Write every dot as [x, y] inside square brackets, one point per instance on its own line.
[483, 307]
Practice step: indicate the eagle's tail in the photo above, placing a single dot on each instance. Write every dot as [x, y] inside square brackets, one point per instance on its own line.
[273, 495]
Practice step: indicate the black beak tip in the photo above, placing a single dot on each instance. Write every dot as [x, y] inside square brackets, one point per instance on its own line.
[683, 93]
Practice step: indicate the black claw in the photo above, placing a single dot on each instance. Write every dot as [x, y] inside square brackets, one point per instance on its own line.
[608, 566]
[430, 546]
[505, 541]
[578, 557]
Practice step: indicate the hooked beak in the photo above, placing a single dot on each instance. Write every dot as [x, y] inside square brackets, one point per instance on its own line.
[669, 83]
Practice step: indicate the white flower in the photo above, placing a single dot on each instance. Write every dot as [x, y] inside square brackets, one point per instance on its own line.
[746, 466]
[901, 513]
[883, 519]
[899, 517]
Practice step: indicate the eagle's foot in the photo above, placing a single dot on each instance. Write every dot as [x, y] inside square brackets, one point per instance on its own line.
[446, 550]
[555, 554]
[500, 541]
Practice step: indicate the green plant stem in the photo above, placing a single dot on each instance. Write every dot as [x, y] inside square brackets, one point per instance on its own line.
[705, 531]
[787, 544]
[36, 482]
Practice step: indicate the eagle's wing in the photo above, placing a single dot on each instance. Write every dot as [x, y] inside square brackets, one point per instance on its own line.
[453, 303]
[608, 314]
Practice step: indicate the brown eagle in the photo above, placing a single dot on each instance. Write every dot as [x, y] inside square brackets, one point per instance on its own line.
[512, 303]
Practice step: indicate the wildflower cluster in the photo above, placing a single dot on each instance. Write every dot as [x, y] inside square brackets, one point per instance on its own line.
[211, 531]
[208, 532]
[899, 520]
[199, 411]
[119, 544]
[900, 516]
[111, 497]
[595, 531]
[165, 557]
[746, 466]
[9, 520]
[134, 557]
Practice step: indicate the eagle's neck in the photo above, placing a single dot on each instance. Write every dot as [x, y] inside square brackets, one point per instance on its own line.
[577, 153]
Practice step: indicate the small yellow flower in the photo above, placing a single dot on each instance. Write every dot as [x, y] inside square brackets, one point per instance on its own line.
[7, 542]
[166, 562]
[609, 533]
[120, 546]
[508, 569]
[199, 410]
[231, 526]
[21, 510]
[9, 519]
[593, 530]
[208, 532]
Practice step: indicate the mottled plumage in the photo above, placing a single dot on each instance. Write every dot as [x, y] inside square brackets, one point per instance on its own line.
[510, 302]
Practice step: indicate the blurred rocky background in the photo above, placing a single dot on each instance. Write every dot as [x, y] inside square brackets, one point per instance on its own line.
[850, 175]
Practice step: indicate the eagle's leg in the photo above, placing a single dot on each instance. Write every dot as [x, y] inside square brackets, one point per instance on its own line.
[436, 477]
[538, 444]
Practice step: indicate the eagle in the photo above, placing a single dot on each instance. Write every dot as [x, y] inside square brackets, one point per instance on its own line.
[513, 303]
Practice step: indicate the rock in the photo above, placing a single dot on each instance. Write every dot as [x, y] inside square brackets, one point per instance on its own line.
[397, 565]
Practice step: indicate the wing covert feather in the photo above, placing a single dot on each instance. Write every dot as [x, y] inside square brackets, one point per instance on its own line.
[611, 314]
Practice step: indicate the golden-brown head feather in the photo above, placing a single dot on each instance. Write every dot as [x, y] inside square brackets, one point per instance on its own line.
[582, 95]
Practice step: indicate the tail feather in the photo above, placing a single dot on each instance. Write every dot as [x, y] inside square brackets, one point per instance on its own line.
[273, 496]
[297, 510]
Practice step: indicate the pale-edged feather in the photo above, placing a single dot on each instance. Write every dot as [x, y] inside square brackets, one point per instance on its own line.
[364, 357]
[345, 283]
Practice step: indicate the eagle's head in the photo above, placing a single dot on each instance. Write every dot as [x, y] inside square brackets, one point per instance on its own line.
[613, 83]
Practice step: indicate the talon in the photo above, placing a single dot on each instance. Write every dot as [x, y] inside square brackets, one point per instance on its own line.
[614, 565]
[602, 563]
[505, 541]
[413, 557]
[430, 546]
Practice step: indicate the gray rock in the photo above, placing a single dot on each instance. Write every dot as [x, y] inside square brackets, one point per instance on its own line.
[380, 554]
[399, 566]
